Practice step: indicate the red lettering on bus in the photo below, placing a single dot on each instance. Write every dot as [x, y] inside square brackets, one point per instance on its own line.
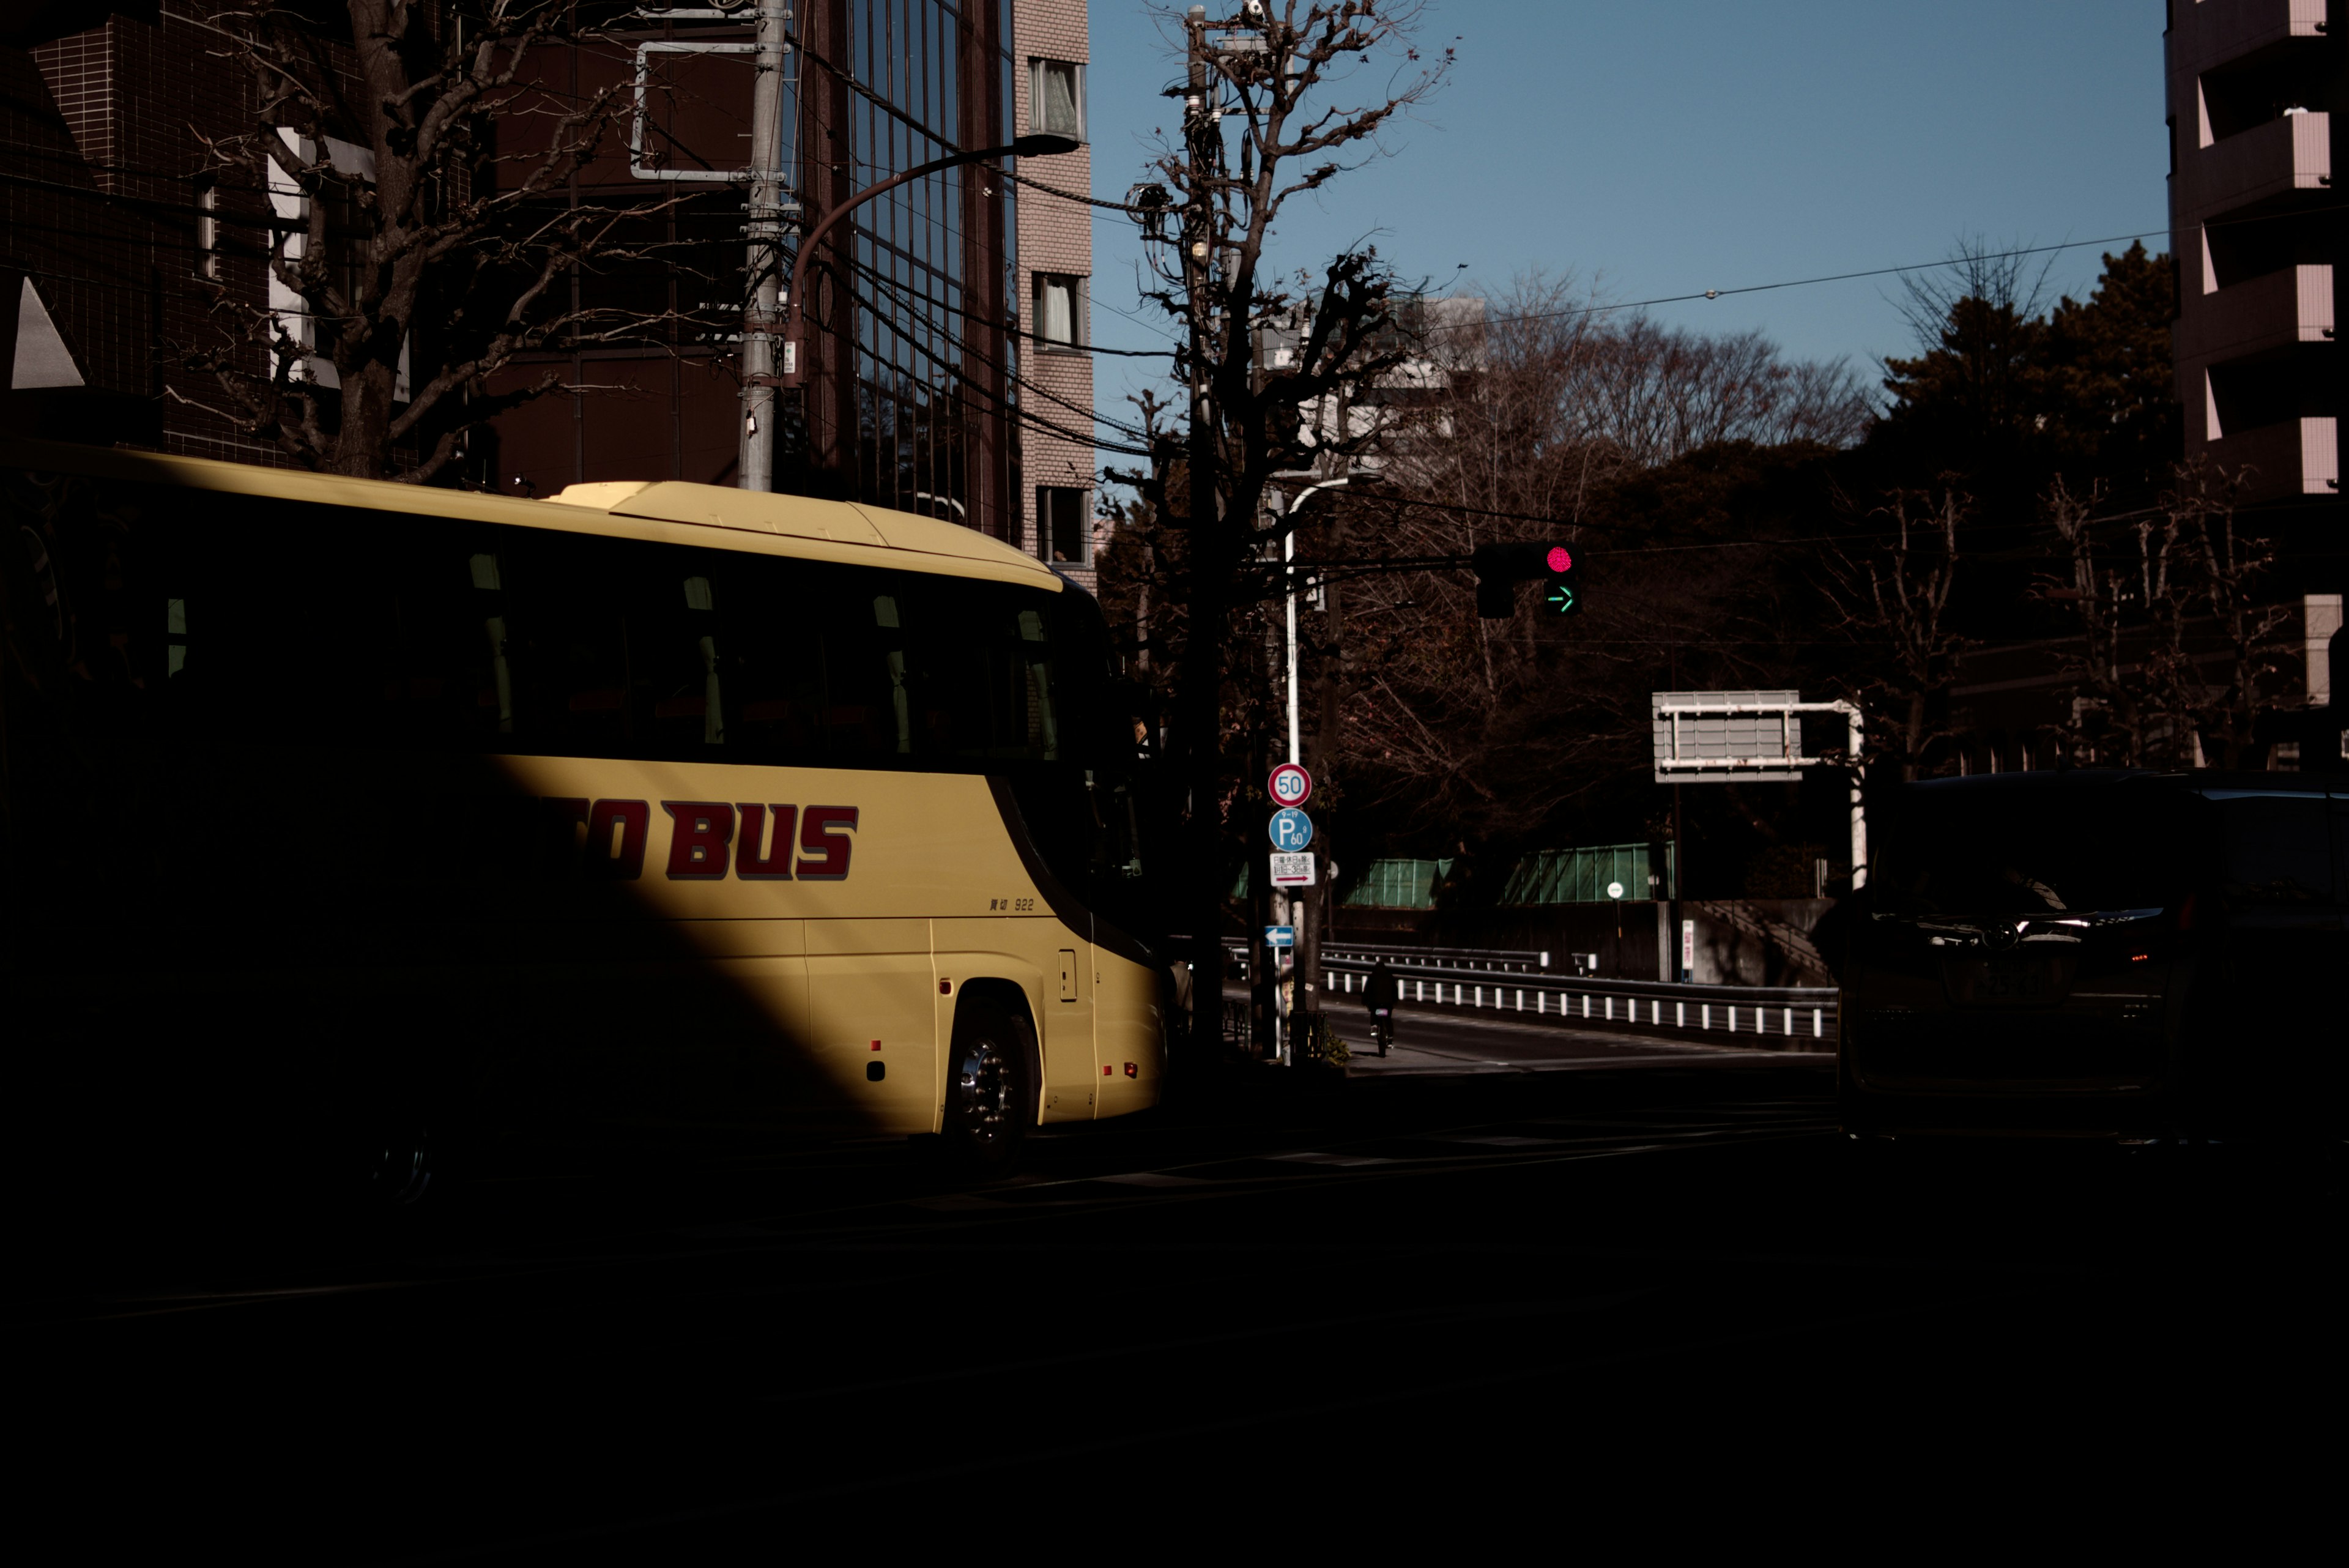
[632, 818]
[817, 838]
[698, 839]
[758, 857]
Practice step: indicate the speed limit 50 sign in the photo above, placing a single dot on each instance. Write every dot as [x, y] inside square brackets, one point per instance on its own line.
[1289, 785]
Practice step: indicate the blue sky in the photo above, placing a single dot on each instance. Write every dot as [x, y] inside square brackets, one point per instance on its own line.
[1672, 148]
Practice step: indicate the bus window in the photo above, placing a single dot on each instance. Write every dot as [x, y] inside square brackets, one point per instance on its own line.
[569, 634]
[431, 640]
[773, 658]
[891, 639]
[675, 641]
[989, 673]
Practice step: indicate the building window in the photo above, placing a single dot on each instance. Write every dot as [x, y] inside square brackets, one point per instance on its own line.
[1061, 308]
[1056, 98]
[1064, 534]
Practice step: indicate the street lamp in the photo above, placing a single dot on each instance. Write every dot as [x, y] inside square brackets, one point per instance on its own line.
[1308, 952]
[1288, 575]
[795, 373]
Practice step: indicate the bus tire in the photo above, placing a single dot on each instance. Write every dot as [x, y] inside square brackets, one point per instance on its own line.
[398, 1163]
[990, 1087]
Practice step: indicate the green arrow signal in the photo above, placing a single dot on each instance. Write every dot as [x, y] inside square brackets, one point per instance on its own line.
[1560, 597]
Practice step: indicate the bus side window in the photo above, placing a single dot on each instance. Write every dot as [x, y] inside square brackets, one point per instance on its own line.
[2278, 850]
[773, 659]
[567, 637]
[888, 623]
[676, 647]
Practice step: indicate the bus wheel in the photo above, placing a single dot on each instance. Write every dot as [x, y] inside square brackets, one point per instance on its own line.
[399, 1165]
[990, 1088]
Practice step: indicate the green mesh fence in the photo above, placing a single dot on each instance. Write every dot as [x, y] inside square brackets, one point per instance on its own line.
[1581, 876]
[1398, 885]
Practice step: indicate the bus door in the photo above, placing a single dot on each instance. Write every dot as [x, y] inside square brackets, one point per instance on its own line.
[873, 1023]
[1130, 1032]
[1071, 1083]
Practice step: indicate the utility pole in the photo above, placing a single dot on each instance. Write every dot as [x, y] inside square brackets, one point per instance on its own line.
[762, 313]
[1201, 709]
[1679, 864]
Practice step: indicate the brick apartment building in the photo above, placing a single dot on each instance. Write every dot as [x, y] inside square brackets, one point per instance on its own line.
[1056, 264]
[2259, 90]
[113, 238]
[107, 223]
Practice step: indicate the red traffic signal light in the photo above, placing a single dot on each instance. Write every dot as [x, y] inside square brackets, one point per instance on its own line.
[1500, 568]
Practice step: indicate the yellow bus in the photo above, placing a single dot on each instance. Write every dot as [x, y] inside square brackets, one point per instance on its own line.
[341, 814]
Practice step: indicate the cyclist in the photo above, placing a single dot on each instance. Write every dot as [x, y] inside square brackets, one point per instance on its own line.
[1379, 995]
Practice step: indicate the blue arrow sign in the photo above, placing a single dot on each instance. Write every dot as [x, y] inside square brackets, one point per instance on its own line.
[1280, 936]
[1292, 829]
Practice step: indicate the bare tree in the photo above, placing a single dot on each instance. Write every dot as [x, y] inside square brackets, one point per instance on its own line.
[2176, 662]
[1896, 597]
[1299, 100]
[2111, 714]
[2004, 280]
[1527, 421]
[418, 247]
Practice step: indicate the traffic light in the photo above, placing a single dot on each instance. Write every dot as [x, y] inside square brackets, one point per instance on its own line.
[1500, 568]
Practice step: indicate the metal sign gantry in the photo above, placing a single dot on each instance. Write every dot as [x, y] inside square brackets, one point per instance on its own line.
[1716, 737]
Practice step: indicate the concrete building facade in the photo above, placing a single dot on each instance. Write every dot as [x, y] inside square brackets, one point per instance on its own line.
[2258, 94]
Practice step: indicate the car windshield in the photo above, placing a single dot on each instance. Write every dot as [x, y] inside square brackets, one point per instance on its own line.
[2036, 852]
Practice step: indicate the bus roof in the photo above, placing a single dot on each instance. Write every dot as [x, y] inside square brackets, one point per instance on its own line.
[712, 516]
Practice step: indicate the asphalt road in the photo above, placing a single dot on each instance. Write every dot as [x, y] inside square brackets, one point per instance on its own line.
[1653, 1298]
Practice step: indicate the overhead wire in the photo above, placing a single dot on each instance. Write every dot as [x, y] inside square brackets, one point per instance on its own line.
[1018, 410]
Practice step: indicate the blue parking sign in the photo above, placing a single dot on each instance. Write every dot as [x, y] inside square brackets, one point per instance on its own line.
[1292, 829]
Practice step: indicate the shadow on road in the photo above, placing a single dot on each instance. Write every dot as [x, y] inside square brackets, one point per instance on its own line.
[1498, 1292]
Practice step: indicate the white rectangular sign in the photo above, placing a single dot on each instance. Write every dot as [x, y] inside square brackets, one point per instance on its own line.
[1294, 870]
[1765, 744]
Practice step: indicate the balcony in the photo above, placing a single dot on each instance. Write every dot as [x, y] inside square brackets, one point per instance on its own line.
[2275, 159]
[2209, 31]
[2263, 316]
[2300, 457]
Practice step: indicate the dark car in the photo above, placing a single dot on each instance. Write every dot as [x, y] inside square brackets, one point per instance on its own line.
[2099, 952]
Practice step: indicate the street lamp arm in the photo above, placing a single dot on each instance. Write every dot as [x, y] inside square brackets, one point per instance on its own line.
[795, 315]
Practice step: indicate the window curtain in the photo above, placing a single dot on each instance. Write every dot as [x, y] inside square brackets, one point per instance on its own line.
[1056, 311]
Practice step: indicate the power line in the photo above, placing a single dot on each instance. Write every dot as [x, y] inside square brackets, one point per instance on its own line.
[1789, 283]
[2160, 231]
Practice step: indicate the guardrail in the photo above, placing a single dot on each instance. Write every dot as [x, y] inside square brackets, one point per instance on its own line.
[1804, 1017]
[1789, 1017]
[1505, 961]
[1489, 960]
